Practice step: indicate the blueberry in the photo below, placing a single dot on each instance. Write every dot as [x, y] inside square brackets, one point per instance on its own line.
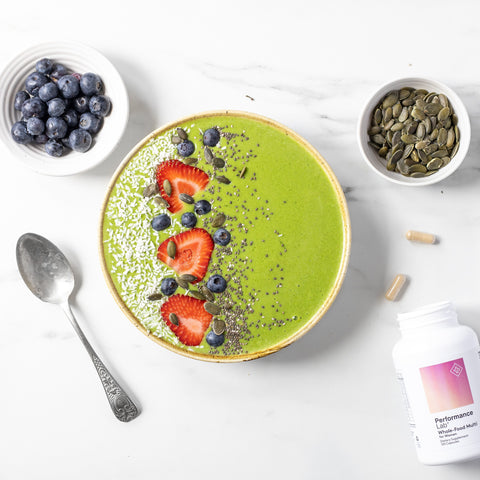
[99, 105]
[54, 148]
[34, 81]
[34, 107]
[189, 219]
[216, 284]
[20, 133]
[211, 137]
[215, 340]
[56, 107]
[48, 91]
[161, 222]
[45, 66]
[58, 71]
[202, 207]
[79, 140]
[40, 139]
[56, 127]
[91, 84]
[80, 103]
[35, 126]
[20, 98]
[168, 286]
[186, 148]
[222, 237]
[90, 122]
[69, 86]
[66, 142]
[71, 118]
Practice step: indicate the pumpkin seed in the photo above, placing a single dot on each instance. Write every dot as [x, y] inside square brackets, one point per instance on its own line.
[391, 99]
[422, 156]
[442, 137]
[182, 133]
[212, 308]
[403, 115]
[153, 297]
[439, 153]
[176, 139]
[218, 326]
[208, 155]
[408, 102]
[207, 293]
[454, 119]
[417, 175]
[443, 100]
[433, 108]
[182, 283]
[404, 93]
[374, 145]
[150, 190]
[382, 152]
[167, 187]
[219, 220]
[420, 133]
[173, 319]
[408, 139]
[443, 114]
[418, 114]
[422, 144]
[429, 149]
[222, 179]
[218, 162]
[446, 161]
[434, 134]
[171, 249]
[161, 202]
[417, 168]
[188, 277]
[397, 109]
[408, 150]
[396, 138]
[397, 127]
[389, 124]
[412, 128]
[434, 164]
[377, 117]
[428, 125]
[190, 161]
[196, 294]
[387, 115]
[186, 198]
[457, 133]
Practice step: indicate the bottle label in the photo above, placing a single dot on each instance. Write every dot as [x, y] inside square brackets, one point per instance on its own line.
[444, 402]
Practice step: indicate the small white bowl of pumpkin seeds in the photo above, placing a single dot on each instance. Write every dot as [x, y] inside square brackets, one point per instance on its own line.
[414, 131]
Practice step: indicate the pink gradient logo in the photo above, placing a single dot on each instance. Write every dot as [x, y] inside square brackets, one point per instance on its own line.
[446, 386]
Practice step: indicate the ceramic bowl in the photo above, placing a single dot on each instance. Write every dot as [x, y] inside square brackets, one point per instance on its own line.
[378, 165]
[77, 58]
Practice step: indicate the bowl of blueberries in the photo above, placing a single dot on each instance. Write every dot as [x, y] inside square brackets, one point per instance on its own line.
[64, 107]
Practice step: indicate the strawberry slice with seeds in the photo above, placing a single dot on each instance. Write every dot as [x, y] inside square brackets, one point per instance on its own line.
[183, 179]
[193, 319]
[193, 252]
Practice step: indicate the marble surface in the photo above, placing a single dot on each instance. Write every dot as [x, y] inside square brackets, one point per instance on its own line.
[328, 406]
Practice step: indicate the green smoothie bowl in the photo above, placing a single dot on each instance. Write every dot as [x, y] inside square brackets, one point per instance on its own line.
[224, 236]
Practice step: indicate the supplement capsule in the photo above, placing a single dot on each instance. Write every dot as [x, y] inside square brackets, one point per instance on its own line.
[420, 237]
[394, 289]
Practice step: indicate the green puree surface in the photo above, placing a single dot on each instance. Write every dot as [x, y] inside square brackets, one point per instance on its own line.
[288, 242]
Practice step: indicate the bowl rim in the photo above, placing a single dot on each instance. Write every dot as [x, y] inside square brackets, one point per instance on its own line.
[122, 106]
[342, 270]
[460, 109]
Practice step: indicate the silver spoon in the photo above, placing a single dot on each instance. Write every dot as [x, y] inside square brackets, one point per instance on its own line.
[47, 273]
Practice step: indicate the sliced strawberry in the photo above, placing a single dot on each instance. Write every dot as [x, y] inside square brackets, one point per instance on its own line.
[194, 249]
[183, 179]
[193, 319]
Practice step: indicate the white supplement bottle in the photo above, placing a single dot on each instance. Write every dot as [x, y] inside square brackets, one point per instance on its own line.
[438, 365]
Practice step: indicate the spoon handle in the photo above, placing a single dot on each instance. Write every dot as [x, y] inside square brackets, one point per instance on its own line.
[122, 406]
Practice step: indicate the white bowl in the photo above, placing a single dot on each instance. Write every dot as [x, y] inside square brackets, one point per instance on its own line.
[378, 165]
[77, 58]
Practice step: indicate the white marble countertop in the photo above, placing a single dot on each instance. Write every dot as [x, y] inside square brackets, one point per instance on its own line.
[328, 406]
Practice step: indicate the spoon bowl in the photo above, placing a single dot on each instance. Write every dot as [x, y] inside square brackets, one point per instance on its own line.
[44, 268]
[48, 274]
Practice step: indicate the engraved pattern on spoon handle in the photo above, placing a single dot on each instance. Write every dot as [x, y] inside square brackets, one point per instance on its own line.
[122, 406]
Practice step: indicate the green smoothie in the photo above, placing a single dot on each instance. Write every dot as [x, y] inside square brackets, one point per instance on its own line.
[290, 234]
